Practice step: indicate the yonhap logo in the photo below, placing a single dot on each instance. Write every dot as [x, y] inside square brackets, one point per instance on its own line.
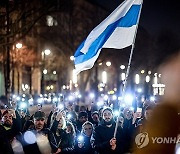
[142, 140]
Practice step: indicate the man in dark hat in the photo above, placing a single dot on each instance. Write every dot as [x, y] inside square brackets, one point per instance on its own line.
[39, 120]
[44, 139]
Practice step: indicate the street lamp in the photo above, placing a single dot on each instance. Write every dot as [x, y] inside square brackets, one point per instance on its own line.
[19, 45]
[47, 52]
[45, 71]
[122, 67]
[108, 63]
[71, 58]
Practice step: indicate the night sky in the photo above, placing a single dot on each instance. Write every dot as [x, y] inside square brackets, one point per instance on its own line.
[156, 15]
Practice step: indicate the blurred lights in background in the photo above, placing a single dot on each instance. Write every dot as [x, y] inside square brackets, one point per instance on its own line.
[137, 78]
[122, 67]
[104, 77]
[108, 63]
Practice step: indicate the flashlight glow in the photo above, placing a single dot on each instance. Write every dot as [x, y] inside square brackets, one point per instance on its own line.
[69, 116]
[23, 105]
[40, 100]
[139, 90]
[100, 103]
[128, 99]
[55, 99]
[152, 98]
[80, 138]
[71, 98]
[91, 95]
[60, 106]
[116, 113]
[105, 97]
[18, 98]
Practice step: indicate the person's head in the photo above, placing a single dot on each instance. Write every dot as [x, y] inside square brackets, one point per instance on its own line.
[107, 114]
[95, 116]
[62, 122]
[148, 112]
[87, 128]
[39, 120]
[82, 109]
[7, 118]
[82, 117]
[70, 128]
[121, 121]
[128, 114]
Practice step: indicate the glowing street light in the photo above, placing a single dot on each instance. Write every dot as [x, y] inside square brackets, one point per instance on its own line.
[45, 71]
[108, 63]
[147, 78]
[54, 72]
[47, 52]
[19, 45]
[142, 71]
[122, 67]
[72, 58]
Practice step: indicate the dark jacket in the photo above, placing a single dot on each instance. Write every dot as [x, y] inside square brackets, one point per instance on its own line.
[129, 133]
[102, 136]
[33, 148]
[63, 139]
[7, 135]
[86, 148]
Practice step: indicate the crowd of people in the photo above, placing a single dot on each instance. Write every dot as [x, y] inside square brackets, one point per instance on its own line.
[84, 130]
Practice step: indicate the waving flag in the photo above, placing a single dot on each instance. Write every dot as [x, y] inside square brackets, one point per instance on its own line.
[116, 31]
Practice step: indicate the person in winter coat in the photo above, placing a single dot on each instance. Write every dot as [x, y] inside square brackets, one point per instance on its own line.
[39, 139]
[63, 139]
[10, 127]
[103, 137]
[83, 144]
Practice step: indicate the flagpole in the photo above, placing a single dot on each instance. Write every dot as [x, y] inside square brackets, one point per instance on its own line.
[127, 72]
